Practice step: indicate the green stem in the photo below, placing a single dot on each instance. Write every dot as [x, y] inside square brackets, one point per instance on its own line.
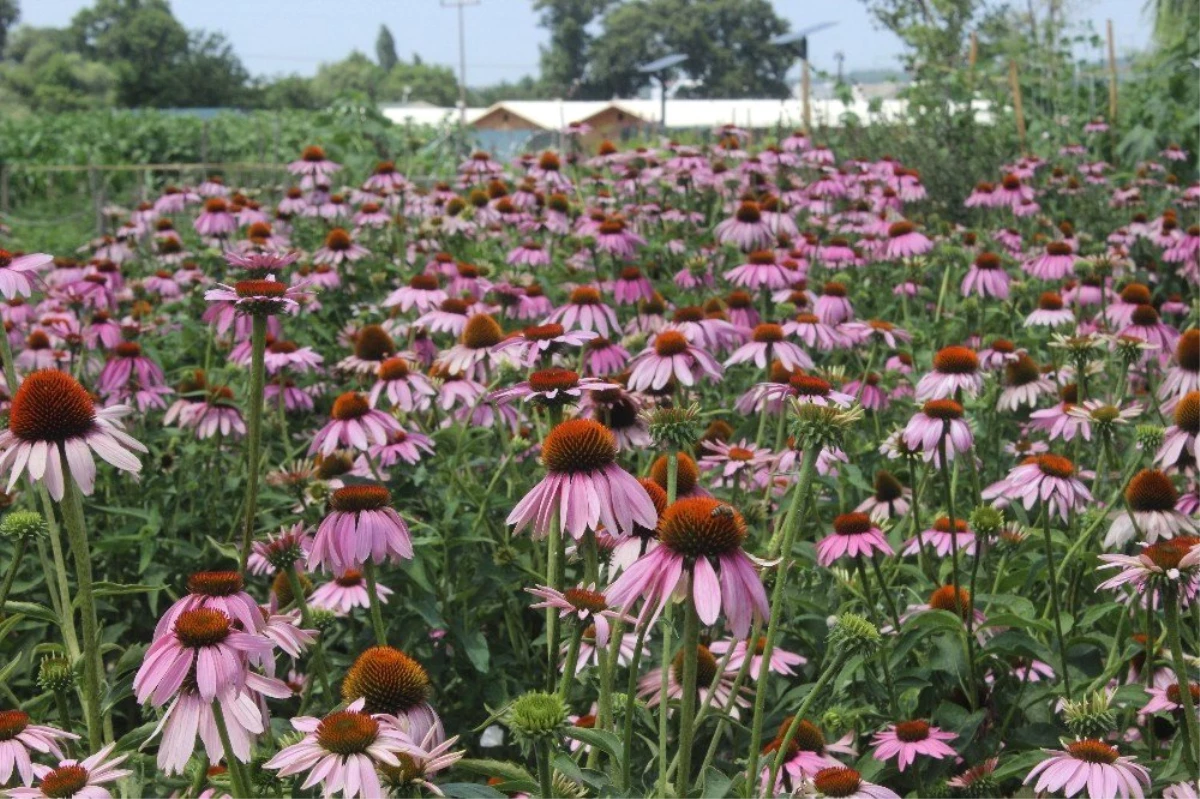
[66, 618]
[293, 579]
[373, 598]
[1062, 643]
[554, 556]
[258, 346]
[11, 574]
[687, 704]
[948, 492]
[1191, 729]
[72, 511]
[828, 674]
[545, 775]
[238, 779]
[571, 663]
[791, 526]
[64, 709]
[630, 702]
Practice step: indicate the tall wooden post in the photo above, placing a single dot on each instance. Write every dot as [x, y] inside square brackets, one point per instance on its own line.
[805, 89]
[1112, 76]
[1018, 109]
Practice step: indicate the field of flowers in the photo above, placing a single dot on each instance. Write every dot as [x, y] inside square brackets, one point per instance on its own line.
[675, 471]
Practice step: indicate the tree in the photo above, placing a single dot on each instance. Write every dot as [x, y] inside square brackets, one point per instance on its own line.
[354, 74]
[725, 42]
[10, 12]
[42, 72]
[385, 49]
[209, 75]
[565, 60]
[429, 83]
[141, 40]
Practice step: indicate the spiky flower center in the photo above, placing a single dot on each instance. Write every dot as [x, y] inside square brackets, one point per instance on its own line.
[688, 313]
[393, 369]
[453, 305]
[424, 282]
[837, 782]
[1050, 301]
[988, 260]
[12, 723]
[585, 295]
[1089, 750]
[951, 601]
[349, 406]
[362, 497]
[833, 289]
[1021, 372]
[748, 213]
[887, 487]
[579, 446]
[1144, 316]
[768, 333]
[256, 289]
[1151, 491]
[1058, 248]
[338, 240]
[761, 257]
[389, 680]
[912, 731]
[64, 781]
[1175, 692]
[1055, 466]
[740, 454]
[852, 524]
[706, 667]
[351, 578]
[215, 205]
[547, 332]
[226, 583]
[898, 229]
[282, 347]
[1187, 351]
[51, 406]
[372, 343]
[313, 153]
[1167, 554]
[739, 300]
[944, 409]
[586, 599]
[687, 473]
[202, 627]
[1187, 412]
[702, 527]
[1135, 294]
[809, 737]
[553, 379]
[809, 385]
[669, 343]
[942, 525]
[956, 361]
[481, 332]
[347, 732]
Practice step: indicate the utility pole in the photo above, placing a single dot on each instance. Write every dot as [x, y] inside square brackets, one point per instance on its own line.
[462, 57]
[840, 57]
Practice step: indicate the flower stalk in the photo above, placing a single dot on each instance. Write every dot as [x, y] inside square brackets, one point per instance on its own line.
[72, 511]
[687, 705]
[254, 411]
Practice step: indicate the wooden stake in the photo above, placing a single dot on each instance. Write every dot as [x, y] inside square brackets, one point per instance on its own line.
[1018, 110]
[972, 57]
[804, 94]
[1112, 77]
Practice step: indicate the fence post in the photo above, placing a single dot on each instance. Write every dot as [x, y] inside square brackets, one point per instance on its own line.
[1112, 77]
[1018, 111]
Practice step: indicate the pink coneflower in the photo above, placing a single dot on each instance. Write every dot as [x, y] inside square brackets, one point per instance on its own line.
[832, 307]
[1092, 765]
[587, 605]
[215, 220]
[836, 250]
[314, 165]
[1049, 479]
[1024, 383]
[710, 331]
[1145, 323]
[854, 535]
[586, 309]
[405, 388]
[423, 292]
[420, 763]
[216, 590]
[650, 683]
[807, 754]
[18, 273]
[694, 533]
[955, 369]
[1169, 700]
[361, 526]
[251, 297]
[937, 419]
[528, 253]
[544, 341]
[355, 424]
[846, 783]
[746, 228]
[631, 287]
[283, 355]
[760, 271]
[343, 751]
[477, 348]
[614, 238]
[1184, 376]
[19, 737]
[203, 639]
[602, 357]
[766, 343]
[890, 500]
[76, 778]
[671, 356]
[904, 241]
[1175, 559]
[345, 592]
[553, 386]
[1178, 447]
[583, 486]
[339, 247]
[809, 328]
[1151, 499]
[906, 740]
[52, 418]
[982, 196]
[1055, 264]
[942, 539]
[289, 545]
[876, 331]
[1050, 312]
[782, 661]
[732, 461]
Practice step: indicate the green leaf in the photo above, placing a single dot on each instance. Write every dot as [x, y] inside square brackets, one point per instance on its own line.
[103, 588]
[476, 647]
[603, 740]
[509, 772]
[469, 790]
[33, 610]
[1012, 620]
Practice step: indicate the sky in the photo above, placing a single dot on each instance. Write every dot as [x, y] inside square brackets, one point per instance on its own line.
[275, 37]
